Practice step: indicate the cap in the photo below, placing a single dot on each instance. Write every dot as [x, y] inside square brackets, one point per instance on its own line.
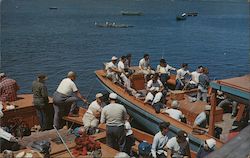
[113, 96]
[2, 74]
[114, 58]
[98, 95]
[71, 74]
[207, 107]
[42, 76]
[211, 143]
[175, 104]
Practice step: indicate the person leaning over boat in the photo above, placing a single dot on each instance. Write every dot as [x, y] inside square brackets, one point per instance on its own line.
[154, 88]
[92, 116]
[7, 141]
[208, 147]
[178, 147]
[41, 100]
[195, 77]
[112, 70]
[160, 140]
[65, 98]
[202, 120]
[203, 85]
[144, 65]
[173, 111]
[180, 76]
[8, 88]
[164, 71]
[114, 115]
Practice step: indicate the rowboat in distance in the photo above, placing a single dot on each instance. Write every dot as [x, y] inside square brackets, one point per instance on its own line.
[112, 25]
[53, 8]
[131, 13]
[192, 13]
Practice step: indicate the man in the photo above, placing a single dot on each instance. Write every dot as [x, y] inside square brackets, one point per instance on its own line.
[201, 121]
[208, 147]
[121, 68]
[195, 77]
[7, 141]
[144, 65]
[203, 85]
[114, 115]
[160, 140]
[180, 76]
[178, 146]
[154, 88]
[65, 98]
[41, 100]
[127, 63]
[8, 88]
[174, 112]
[92, 116]
[112, 70]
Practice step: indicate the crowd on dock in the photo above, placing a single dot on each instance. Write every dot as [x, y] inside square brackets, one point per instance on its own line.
[118, 129]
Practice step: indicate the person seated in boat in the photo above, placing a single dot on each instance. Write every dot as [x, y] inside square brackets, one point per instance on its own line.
[144, 66]
[127, 86]
[130, 139]
[128, 61]
[164, 71]
[160, 140]
[195, 77]
[112, 70]
[228, 102]
[180, 76]
[91, 117]
[174, 111]
[178, 146]
[154, 88]
[202, 120]
[207, 148]
[203, 85]
[121, 69]
[183, 14]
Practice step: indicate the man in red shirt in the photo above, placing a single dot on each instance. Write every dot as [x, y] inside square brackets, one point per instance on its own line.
[8, 88]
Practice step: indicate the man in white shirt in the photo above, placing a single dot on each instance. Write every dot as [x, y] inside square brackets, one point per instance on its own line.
[174, 112]
[160, 140]
[195, 77]
[114, 115]
[92, 115]
[112, 70]
[121, 68]
[180, 76]
[201, 121]
[65, 98]
[154, 88]
[144, 65]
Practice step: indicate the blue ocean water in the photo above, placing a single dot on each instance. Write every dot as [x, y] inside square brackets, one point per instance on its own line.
[37, 39]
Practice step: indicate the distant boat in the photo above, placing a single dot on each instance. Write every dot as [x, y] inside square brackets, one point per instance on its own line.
[112, 25]
[181, 17]
[192, 14]
[129, 13]
[53, 8]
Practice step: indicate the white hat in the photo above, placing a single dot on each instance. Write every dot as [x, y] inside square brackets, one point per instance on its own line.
[211, 143]
[113, 96]
[207, 107]
[175, 104]
[98, 95]
[114, 58]
[2, 74]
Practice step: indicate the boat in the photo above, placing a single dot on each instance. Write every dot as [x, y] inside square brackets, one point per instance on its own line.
[112, 25]
[179, 18]
[131, 13]
[145, 113]
[192, 13]
[53, 8]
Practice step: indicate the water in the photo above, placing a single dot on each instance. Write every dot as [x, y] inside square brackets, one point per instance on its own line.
[36, 39]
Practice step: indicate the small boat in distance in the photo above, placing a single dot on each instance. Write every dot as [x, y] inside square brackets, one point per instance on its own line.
[192, 13]
[53, 8]
[112, 25]
[181, 17]
[131, 13]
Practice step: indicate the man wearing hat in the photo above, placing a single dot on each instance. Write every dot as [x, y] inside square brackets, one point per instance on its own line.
[114, 115]
[41, 100]
[173, 111]
[202, 120]
[178, 146]
[112, 70]
[92, 116]
[8, 88]
[208, 147]
[65, 98]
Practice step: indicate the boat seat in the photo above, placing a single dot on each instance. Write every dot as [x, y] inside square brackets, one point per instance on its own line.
[138, 82]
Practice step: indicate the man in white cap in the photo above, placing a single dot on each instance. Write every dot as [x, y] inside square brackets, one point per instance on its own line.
[173, 111]
[202, 119]
[208, 147]
[41, 100]
[7, 141]
[92, 116]
[8, 88]
[114, 115]
[65, 98]
[112, 70]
